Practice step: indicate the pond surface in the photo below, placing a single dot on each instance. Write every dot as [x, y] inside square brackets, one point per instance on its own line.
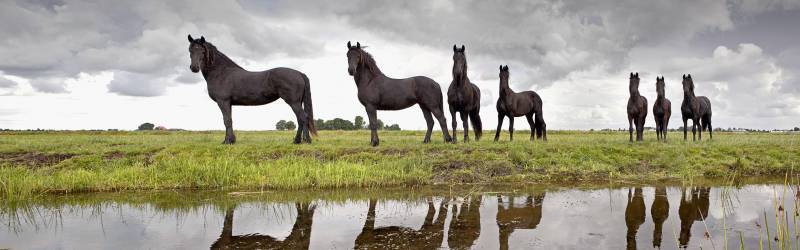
[476, 217]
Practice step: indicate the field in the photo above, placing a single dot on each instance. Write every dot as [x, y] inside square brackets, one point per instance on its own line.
[34, 163]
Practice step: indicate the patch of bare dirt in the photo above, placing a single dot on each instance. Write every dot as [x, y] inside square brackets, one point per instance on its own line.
[34, 159]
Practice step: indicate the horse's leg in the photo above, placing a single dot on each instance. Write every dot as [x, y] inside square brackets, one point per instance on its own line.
[455, 122]
[372, 113]
[694, 128]
[464, 120]
[429, 122]
[684, 129]
[510, 128]
[225, 107]
[541, 126]
[665, 127]
[532, 124]
[437, 112]
[640, 128]
[630, 128]
[658, 130]
[710, 133]
[499, 126]
[297, 108]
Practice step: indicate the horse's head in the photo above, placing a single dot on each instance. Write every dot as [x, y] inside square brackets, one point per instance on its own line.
[688, 84]
[504, 74]
[199, 53]
[633, 86]
[459, 61]
[354, 57]
[660, 86]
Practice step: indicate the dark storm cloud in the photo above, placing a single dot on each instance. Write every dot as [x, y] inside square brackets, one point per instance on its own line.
[7, 84]
[51, 41]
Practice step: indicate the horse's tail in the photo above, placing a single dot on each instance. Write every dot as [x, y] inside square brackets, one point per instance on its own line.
[307, 107]
[477, 126]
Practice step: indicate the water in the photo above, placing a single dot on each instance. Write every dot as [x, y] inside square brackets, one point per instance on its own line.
[429, 218]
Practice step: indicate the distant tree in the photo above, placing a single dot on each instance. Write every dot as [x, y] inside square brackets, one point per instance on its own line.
[320, 124]
[281, 125]
[380, 124]
[796, 128]
[393, 127]
[340, 124]
[290, 125]
[359, 122]
[146, 126]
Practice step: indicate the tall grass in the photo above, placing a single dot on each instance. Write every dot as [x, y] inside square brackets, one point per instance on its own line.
[108, 161]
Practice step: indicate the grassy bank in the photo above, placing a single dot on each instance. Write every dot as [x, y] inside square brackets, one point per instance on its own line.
[55, 162]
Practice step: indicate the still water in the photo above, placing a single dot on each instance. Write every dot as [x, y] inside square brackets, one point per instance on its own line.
[471, 217]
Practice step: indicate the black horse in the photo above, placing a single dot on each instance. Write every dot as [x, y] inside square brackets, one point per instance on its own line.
[299, 238]
[634, 216]
[697, 108]
[512, 216]
[662, 110]
[660, 212]
[429, 236]
[229, 84]
[637, 108]
[464, 97]
[376, 92]
[510, 104]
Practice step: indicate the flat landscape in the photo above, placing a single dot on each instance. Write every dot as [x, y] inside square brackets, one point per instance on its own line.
[33, 163]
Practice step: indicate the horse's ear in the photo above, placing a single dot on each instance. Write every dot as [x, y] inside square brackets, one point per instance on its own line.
[505, 68]
[684, 76]
[689, 76]
[636, 75]
[462, 48]
[454, 48]
[501, 67]
[191, 40]
[348, 45]
[631, 74]
[358, 45]
[202, 39]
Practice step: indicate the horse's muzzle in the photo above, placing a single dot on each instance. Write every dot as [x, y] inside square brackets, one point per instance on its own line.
[351, 71]
[194, 69]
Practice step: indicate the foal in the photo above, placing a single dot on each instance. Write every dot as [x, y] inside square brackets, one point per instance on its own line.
[511, 104]
[697, 108]
[464, 97]
[637, 108]
[662, 110]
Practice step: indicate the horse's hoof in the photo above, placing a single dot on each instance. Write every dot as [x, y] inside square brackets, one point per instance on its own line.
[228, 142]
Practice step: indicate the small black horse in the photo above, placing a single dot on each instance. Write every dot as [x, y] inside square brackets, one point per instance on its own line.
[376, 92]
[464, 97]
[510, 104]
[229, 84]
[697, 108]
[637, 108]
[662, 110]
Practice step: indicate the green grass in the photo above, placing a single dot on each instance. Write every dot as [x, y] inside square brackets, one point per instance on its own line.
[65, 162]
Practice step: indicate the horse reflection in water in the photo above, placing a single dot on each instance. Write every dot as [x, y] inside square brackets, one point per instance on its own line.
[511, 217]
[660, 212]
[430, 236]
[299, 238]
[465, 225]
[693, 208]
[634, 216]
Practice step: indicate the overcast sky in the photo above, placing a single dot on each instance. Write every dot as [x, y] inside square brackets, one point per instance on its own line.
[82, 64]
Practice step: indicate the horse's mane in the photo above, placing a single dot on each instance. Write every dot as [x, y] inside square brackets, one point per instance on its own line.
[372, 66]
[216, 57]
